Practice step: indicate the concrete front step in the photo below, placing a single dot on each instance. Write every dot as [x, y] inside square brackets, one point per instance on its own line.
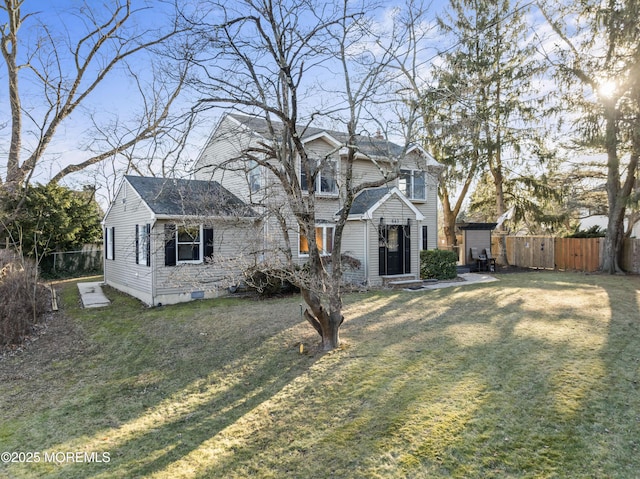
[407, 283]
[400, 281]
[397, 277]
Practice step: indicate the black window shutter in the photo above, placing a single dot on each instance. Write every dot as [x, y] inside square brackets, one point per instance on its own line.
[137, 244]
[169, 245]
[407, 250]
[425, 237]
[207, 237]
[382, 250]
[148, 237]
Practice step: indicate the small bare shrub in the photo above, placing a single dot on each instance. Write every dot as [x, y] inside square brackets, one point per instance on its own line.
[269, 282]
[23, 301]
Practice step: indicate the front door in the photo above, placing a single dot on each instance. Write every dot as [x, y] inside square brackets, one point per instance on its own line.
[394, 250]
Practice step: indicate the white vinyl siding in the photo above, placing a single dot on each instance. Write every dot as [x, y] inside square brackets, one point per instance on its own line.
[123, 273]
[353, 246]
[233, 246]
[229, 140]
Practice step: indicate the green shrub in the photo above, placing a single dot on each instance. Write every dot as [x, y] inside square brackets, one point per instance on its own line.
[438, 264]
[594, 232]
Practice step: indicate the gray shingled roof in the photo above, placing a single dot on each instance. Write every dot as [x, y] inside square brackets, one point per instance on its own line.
[476, 226]
[365, 200]
[180, 197]
[370, 146]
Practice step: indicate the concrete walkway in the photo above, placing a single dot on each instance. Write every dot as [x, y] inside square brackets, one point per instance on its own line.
[92, 296]
[469, 278]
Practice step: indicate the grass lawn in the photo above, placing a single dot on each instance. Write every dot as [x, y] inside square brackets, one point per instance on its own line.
[536, 375]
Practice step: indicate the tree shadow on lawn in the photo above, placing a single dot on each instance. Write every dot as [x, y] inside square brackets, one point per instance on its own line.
[612, 420]
[557, 359]
[479, 382]
[515, 378]
[149, 412]
[475, 381]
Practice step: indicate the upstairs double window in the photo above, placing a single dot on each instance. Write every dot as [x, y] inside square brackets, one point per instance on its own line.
[326, 177]
[413, 184]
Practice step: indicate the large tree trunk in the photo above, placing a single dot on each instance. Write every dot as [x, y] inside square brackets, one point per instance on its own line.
[617, 194]
[450, 215]
[614, 239]
[500, 210]
[326, 323]
[449, 228]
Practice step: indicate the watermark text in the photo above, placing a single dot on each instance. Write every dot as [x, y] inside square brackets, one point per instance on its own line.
[57, 457]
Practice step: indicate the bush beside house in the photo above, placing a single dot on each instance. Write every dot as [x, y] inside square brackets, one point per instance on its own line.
[23, 301]
[438, 264]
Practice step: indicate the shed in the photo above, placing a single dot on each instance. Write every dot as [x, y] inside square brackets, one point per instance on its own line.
[476, 236]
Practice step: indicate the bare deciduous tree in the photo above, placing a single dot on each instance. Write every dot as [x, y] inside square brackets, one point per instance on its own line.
[56, 74]
[294, 64]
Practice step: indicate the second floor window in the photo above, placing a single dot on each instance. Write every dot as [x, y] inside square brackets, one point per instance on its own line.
[413, 185]
[255, 181]
[326, 179]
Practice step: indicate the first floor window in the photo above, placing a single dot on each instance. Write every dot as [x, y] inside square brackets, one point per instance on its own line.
[413, 184]
[109, 234]
[324, 240]
[143, 244]
[187, 244]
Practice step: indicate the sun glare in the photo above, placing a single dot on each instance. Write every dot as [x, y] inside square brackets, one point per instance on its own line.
[607, 88]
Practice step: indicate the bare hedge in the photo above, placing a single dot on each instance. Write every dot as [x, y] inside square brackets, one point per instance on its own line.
[23, 301]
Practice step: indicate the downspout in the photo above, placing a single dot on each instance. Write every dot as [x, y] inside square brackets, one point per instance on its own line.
[436, 228]
[104, 252]
[367, 258]
[154, 256]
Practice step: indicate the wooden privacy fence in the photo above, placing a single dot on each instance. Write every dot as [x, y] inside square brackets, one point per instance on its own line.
[546, 252]
[630, 260]
[530, 251]
[579, 254]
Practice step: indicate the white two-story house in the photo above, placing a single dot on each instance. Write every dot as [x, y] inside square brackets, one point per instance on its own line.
[168, 240]
[387, 226]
